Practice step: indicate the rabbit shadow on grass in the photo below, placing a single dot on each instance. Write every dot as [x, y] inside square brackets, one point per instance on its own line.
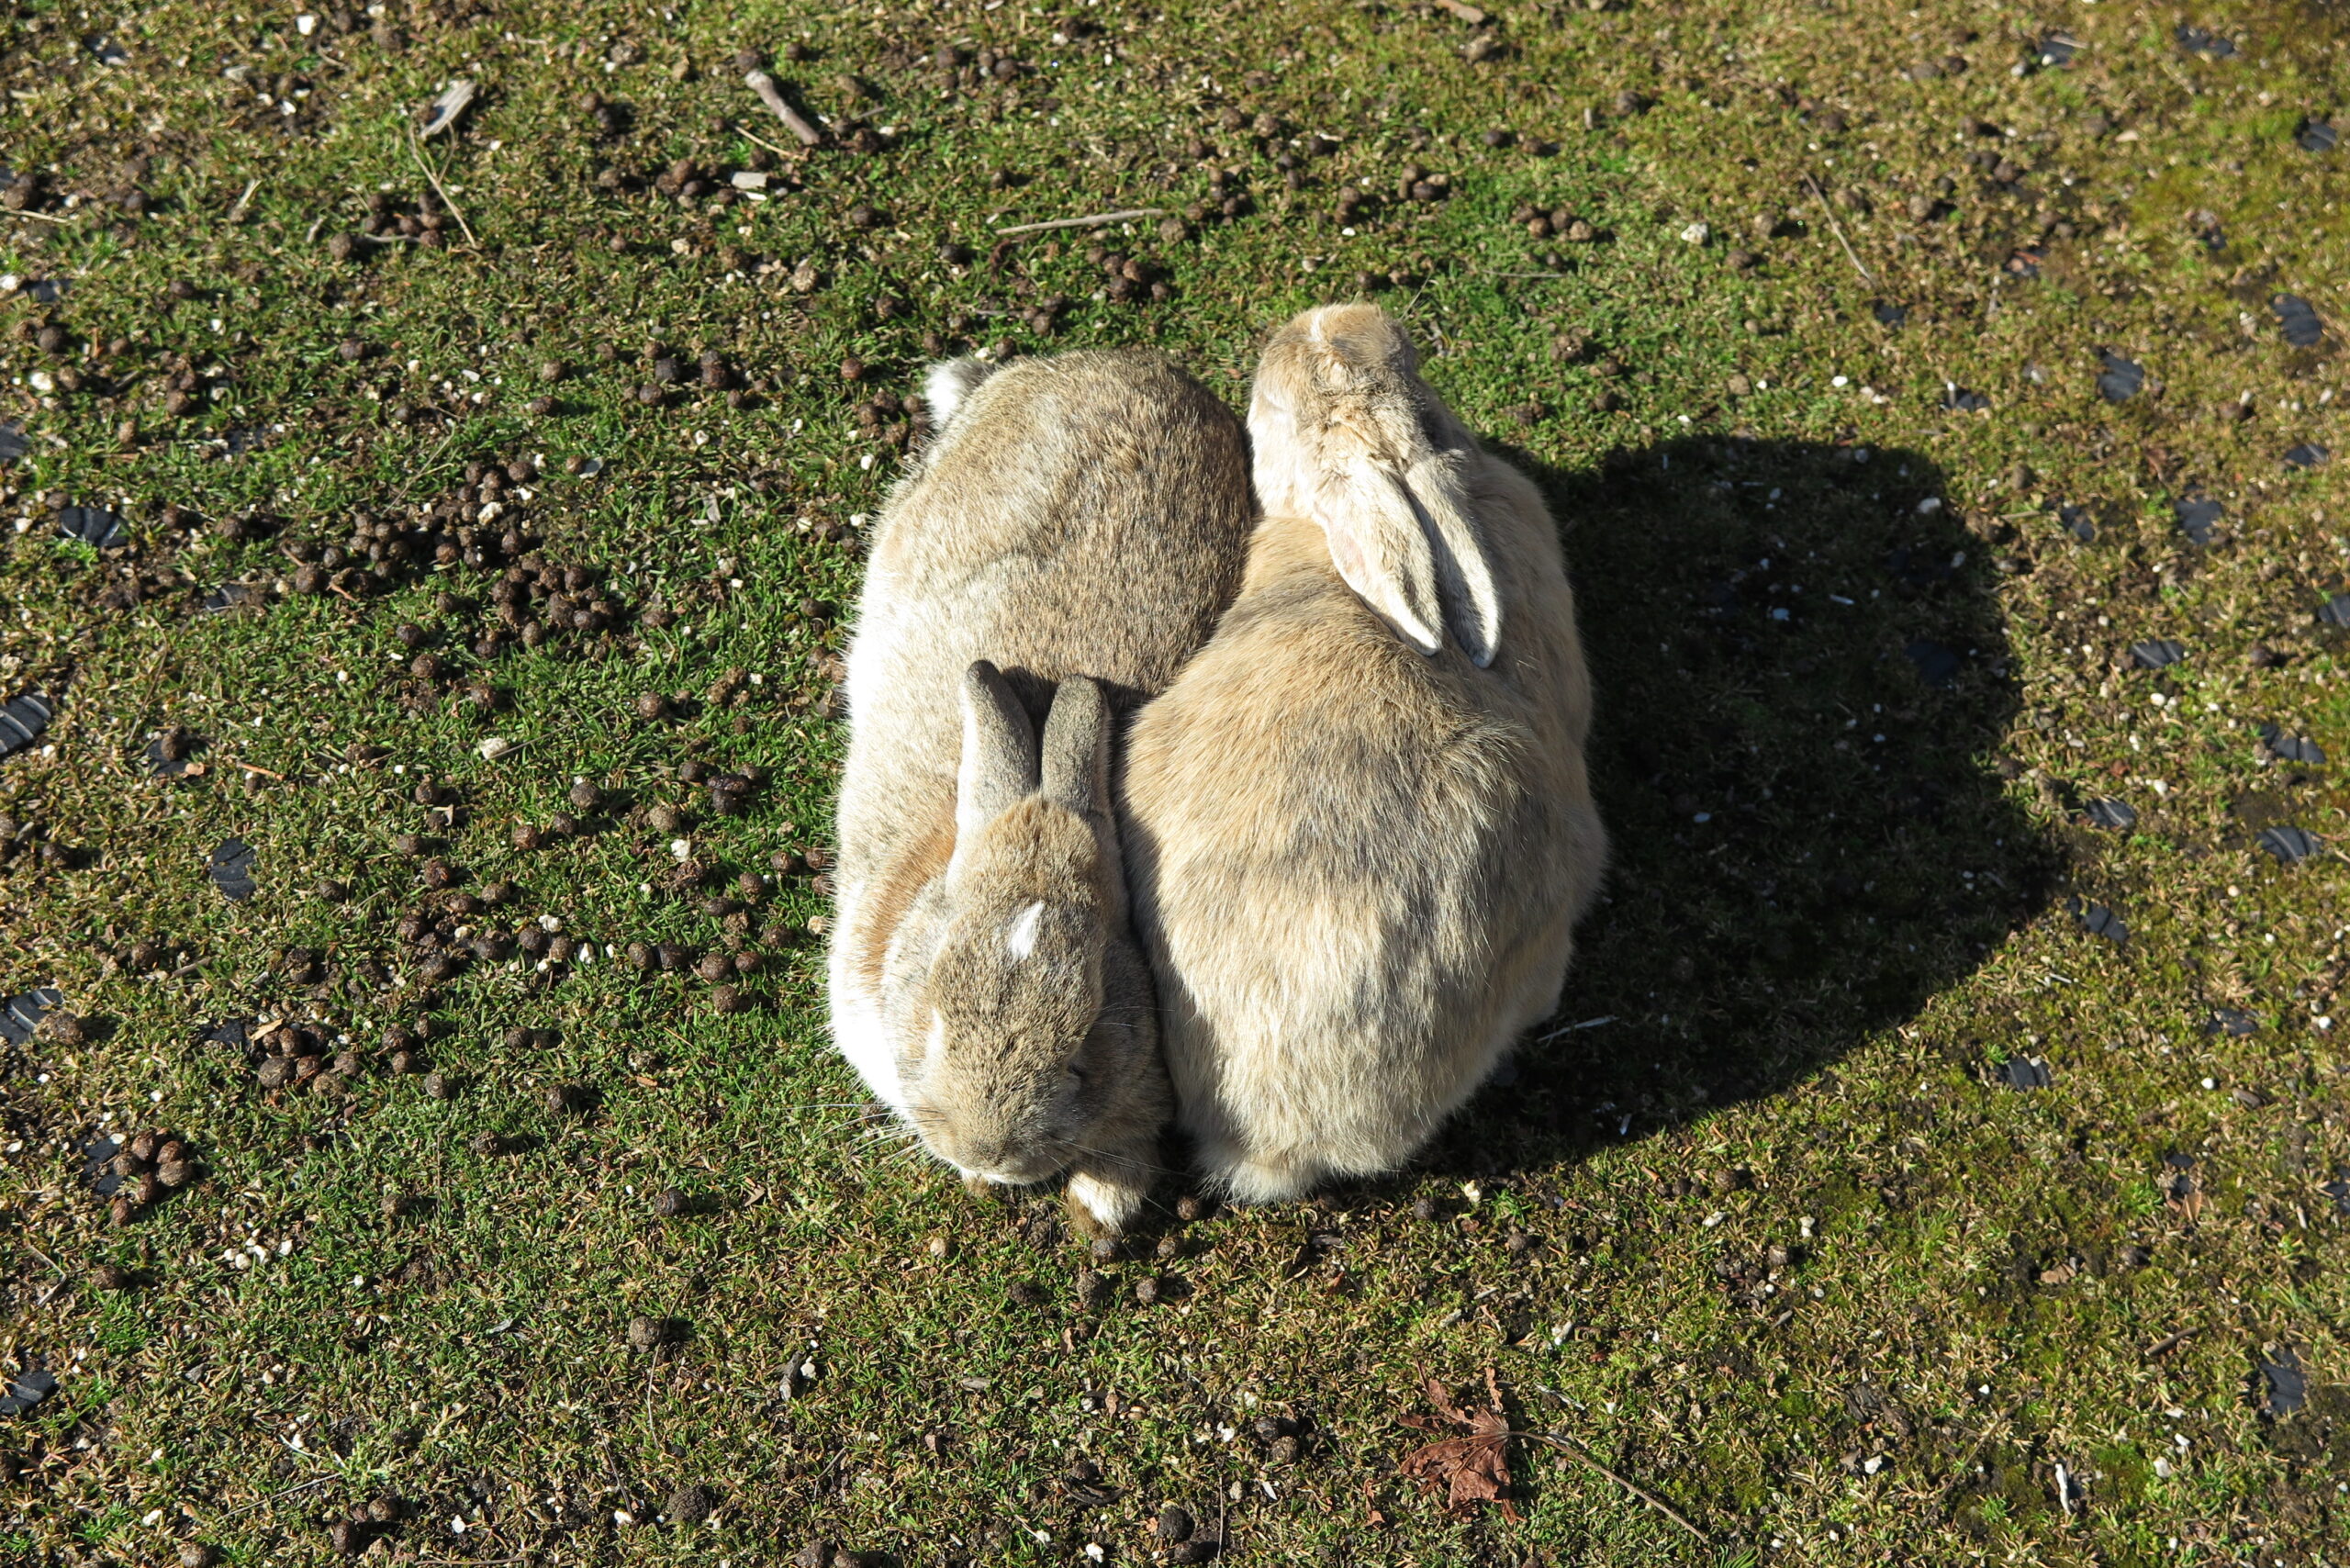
[1804, 683]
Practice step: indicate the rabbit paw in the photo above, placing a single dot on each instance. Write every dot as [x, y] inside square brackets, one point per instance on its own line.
[1103, 1207]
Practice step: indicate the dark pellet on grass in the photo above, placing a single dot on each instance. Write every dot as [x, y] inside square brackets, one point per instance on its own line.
[439, 1085]
[729, 999]
[2024, 1072]
[2284, 1386]
[2290, 846]
[2298, 319]
[2099, 920]
[1426, 1209]
[2198, 516]
[348, 1538]
[1174, 1525]
[669, 1202]
[2121, 379]
[1027, 1293]
[110, 1277]
[196, 1555]
[2117, 814]
[2290, 748]
[1147, 1290]
[649, 1333]
[233, 869]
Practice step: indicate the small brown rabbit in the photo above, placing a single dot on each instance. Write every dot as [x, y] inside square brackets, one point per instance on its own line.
[1358, 832]
[1075, 521]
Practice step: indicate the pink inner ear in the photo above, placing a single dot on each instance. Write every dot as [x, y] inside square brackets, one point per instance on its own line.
[1346, 554]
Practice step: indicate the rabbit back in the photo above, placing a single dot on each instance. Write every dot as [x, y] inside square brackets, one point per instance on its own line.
[1357, 867]
[1080, 515]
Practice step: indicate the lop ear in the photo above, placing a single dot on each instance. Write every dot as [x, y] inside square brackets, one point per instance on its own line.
[1076, 748]
[998, 763]
[1347, 434]
[1408, 544]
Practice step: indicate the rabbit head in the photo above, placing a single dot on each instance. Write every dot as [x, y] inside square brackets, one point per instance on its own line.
[1034, 1033]
[1347, 434]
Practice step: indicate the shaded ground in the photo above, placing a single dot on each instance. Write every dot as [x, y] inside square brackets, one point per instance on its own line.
[1943, 1156]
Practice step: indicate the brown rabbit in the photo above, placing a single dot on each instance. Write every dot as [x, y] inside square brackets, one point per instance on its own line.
[1358, 832]
[1076, 520]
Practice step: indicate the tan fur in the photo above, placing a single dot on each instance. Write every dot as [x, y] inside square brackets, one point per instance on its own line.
[1356, 867]
[1084, 516]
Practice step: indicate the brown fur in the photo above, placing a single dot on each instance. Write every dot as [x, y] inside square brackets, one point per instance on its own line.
[921, 861]
[1079, 517]
[1355, 866]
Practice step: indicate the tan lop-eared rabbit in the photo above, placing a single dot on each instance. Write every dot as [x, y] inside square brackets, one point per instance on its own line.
[1067, 538]
[1358, 829]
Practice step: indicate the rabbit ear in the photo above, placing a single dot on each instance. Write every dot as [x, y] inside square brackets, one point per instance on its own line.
[998, 763]
[1407, 544]
[1348, 434]
[1076, 748]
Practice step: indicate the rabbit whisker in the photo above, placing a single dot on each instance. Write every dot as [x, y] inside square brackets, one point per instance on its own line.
[1126, 1159]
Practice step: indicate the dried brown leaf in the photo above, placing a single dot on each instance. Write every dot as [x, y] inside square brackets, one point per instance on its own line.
[1469, 1469]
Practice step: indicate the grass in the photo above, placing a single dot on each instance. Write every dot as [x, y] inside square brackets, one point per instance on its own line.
[1797, 1257]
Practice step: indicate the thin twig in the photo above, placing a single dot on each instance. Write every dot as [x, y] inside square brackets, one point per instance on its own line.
[1571, 1028]
[1529, 275]
[761, 83]
[1584, 1455]
[42, 217]
[763, 141]
[1838, 229]
[1092, 220]
[416, 150]
[2165, 1346]
[265, 772]
[279, 1496]
[238, 210]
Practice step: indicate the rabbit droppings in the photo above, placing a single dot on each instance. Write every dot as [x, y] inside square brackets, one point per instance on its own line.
[1358, 831]
[1075, 521]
